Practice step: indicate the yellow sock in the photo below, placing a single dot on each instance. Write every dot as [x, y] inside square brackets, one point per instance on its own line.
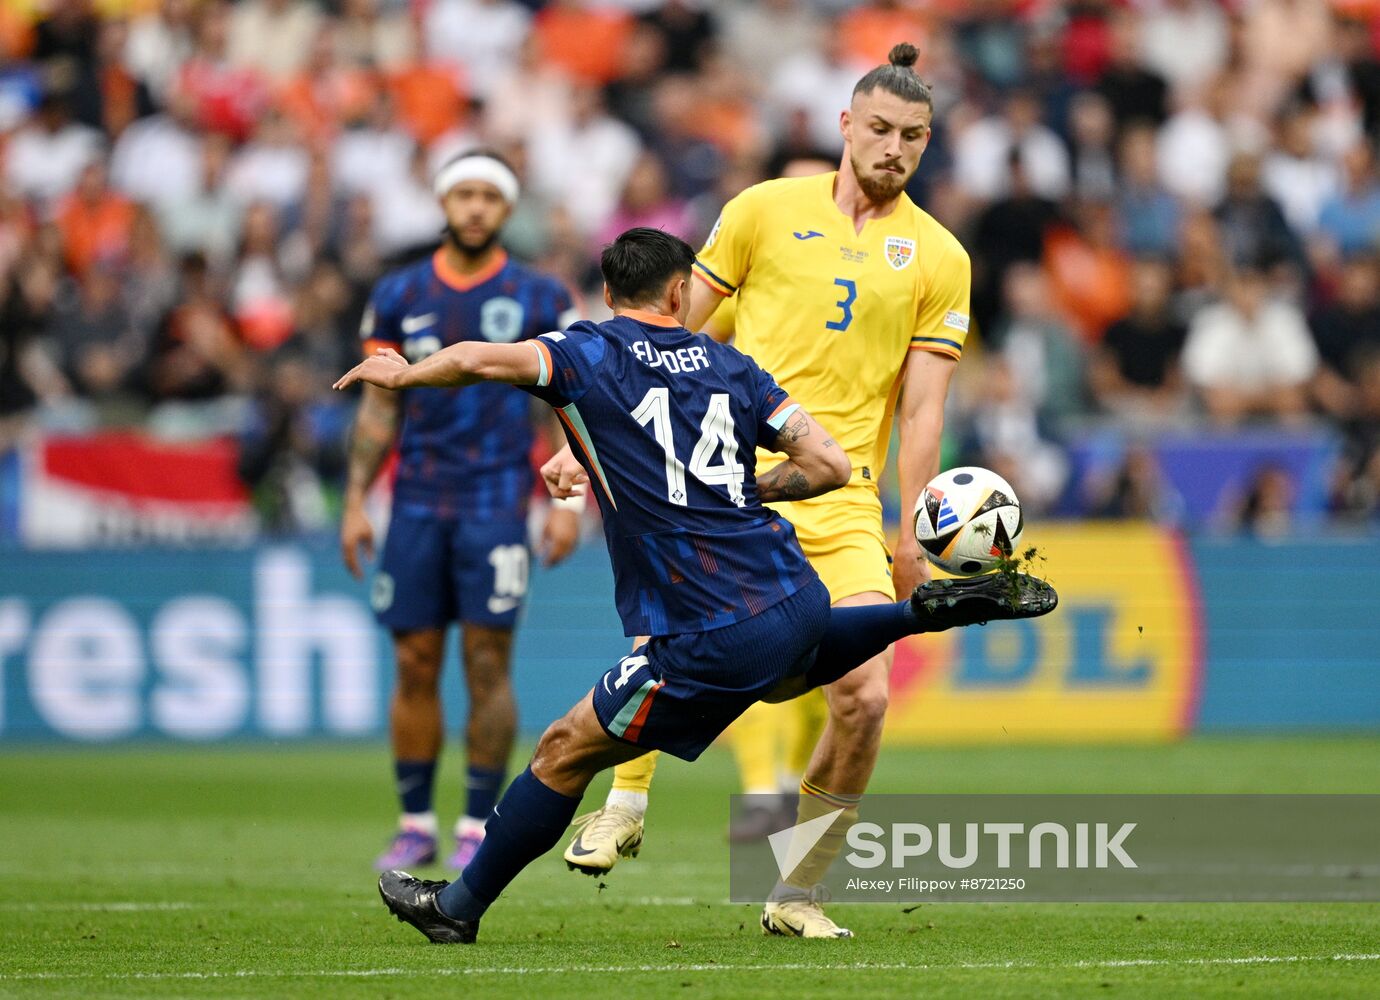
[636, 775]
[803, 723]
[814, 803]
[753, 737]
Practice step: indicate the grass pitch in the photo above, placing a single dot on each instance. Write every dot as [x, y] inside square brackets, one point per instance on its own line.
[245, 872]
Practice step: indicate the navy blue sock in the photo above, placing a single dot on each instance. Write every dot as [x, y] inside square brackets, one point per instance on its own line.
[415, 778]
[528, 821]
[481, 790]
[856, 634]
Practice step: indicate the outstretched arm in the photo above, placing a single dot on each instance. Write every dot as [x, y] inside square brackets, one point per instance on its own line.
[459, 364]
[815, 463]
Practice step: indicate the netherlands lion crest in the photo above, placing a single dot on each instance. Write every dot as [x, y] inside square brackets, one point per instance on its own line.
[899, 252]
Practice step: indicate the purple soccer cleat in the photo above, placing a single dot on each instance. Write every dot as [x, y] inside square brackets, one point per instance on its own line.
[466, 847]
[409, 848]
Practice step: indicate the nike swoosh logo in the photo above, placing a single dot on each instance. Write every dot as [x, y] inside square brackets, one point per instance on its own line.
[797, 931]
[411, 324]
[502, 605]
[811, 234]
[578, 848]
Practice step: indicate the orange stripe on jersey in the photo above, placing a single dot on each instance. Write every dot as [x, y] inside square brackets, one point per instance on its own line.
[575, 435]
[546, 357]
[464, 282]
[709, 283]
[933, 348]
[374, 344]
[783, 407]
[651, 318]
[634, 729]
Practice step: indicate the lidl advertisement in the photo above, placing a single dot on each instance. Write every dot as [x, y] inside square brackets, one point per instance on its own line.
[1154, 638]
[1119, 660]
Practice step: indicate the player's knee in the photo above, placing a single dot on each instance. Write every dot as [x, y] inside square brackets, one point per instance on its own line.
[554, 746]
[418, 674]
[863, 707]
[487, 664]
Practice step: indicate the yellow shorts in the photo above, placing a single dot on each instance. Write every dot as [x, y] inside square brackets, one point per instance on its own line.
[841, 533]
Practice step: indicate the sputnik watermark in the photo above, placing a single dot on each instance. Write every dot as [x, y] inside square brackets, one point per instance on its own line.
[1072, 847]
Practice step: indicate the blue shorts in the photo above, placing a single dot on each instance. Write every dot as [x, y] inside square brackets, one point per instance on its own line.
[437, 570]
[678, 692]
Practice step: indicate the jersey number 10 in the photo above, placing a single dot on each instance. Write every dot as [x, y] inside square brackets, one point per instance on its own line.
[716, 431]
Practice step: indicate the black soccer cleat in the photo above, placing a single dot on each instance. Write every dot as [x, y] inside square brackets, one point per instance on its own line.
[413, 901]
[945, 604]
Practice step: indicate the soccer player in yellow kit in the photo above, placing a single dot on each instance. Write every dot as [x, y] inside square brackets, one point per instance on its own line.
[854, 298]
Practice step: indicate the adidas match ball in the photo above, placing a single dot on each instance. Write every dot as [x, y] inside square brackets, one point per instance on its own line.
[967, 520]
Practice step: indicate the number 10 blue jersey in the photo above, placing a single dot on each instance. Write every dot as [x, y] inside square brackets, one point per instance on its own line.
[666, 423]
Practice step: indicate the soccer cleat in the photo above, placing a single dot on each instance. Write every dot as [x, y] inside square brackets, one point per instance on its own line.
[409, 847]
[605, 835]
[413, 901]
[981, 599]
[761, 819]
[800, 918]
[466, 847]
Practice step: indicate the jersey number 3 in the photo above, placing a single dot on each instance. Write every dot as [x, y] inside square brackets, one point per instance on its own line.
[850, 295]
[716, 430]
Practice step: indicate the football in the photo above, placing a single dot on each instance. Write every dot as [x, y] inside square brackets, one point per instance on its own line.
[967, 520]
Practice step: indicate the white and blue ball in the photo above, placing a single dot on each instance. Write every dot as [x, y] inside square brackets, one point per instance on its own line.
[967, 520]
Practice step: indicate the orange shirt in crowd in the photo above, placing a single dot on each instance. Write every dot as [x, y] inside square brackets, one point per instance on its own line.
[1092, 284]
[586, 44]
[16, 33]
[868, 33]
[729, 124]
[428, 100]
[94, 231]
[318, 105]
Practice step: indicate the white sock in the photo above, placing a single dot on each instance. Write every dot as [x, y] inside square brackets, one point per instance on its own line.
[469, 825]
[421, 822]
[634, 802]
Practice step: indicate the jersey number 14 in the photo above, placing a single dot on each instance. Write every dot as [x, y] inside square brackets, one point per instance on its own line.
[716, 433]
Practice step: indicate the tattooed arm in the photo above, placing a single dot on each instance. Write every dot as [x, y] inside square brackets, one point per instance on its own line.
[815, 463]
[371, 439]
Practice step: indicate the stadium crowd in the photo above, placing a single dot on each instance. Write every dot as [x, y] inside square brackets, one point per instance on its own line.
[1172, 206]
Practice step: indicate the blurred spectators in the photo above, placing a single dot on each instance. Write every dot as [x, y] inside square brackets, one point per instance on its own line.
[1347, 332]
[195, 196]
[1136, 489]
[273, 37]
[1250, 355]
[1350, 220]
[44, 157]
[1135, 371]
[94, 222]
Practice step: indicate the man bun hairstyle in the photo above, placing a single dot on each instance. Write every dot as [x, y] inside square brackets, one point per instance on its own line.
[638, 265]
[898, 76]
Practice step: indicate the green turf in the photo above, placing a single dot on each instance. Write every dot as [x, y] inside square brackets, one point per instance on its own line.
[244, 872]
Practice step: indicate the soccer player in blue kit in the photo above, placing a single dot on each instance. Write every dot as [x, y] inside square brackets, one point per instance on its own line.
[456, 548]
[665, 423]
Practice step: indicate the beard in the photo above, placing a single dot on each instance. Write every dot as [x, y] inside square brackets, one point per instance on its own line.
[879, 187]
[471, 248]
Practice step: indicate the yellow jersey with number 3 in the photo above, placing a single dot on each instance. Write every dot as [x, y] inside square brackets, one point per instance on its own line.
[831, 312]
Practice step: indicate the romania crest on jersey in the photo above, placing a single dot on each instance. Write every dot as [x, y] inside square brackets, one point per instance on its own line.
[899, 252]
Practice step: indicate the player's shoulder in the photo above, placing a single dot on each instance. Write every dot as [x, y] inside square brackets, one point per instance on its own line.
[528, 276]
[399, 282]
[787, 193]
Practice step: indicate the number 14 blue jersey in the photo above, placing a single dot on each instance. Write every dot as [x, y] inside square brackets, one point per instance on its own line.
[666, 423]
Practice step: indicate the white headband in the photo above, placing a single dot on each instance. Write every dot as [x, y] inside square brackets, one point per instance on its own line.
[477, 168]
